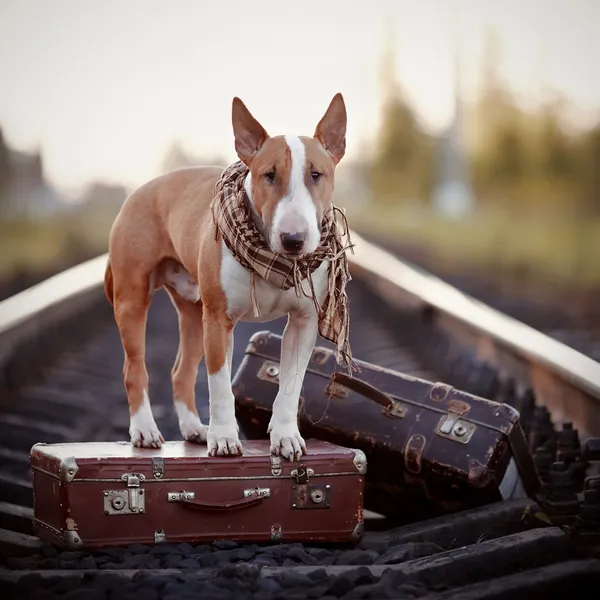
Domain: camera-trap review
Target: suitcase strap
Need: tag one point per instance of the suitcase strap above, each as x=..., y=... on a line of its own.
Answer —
x=229, y=506
x=363, y=388
x=515, y=437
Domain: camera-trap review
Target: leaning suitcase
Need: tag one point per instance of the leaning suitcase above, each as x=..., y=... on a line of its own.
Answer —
x=93, y=495
x=432, y=449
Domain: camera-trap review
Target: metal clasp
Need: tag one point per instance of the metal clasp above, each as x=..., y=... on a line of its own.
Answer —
x=395, y=410
x=133, y=488
x=269, y=371
x=317, y=496
x=258, y=491
x=310, y=497
x=158, y=467
x=302, y=474
x=276, y=532
x=451, y=426
x=129, y=501
x=179, y=496
x=275, y=465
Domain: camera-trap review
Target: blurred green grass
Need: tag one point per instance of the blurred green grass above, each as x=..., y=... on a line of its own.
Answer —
x=32, y=246
x=554, y=251
x=559, y=252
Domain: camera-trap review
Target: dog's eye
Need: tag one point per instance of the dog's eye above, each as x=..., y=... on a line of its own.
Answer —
x=270, y=176
x=315, y=176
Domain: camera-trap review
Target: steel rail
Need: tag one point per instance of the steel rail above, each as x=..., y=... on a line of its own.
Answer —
x=433, y=292
x=31, y=320
x=563, y=379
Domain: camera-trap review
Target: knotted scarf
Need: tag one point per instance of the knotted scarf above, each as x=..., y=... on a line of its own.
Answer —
x=232, y=218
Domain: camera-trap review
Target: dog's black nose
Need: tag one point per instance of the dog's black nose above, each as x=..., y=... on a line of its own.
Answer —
x=292, y=242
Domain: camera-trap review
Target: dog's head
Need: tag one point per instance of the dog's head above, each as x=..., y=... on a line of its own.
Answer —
x=290, y=184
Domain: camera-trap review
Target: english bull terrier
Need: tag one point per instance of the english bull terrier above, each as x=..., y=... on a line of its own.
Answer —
x=175, y=233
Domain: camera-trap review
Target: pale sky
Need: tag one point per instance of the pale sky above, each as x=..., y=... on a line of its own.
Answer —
x=104, y=86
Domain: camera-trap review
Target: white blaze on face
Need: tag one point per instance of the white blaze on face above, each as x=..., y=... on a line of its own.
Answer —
x=296, y=212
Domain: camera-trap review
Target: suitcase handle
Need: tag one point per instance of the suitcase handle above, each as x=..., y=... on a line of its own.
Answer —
x=363, y=388
x=228, y=506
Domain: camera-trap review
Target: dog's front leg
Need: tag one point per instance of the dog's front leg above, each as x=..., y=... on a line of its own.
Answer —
x=298, y=343
x=223, y=437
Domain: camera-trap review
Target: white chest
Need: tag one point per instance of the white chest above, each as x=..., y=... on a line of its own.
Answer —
x=273, y=303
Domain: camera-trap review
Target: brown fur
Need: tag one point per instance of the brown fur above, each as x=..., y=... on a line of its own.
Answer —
x=168, y=218
x=167, y=221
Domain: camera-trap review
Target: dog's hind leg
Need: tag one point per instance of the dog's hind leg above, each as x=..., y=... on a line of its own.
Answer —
x=131, y=297
x=185, y=369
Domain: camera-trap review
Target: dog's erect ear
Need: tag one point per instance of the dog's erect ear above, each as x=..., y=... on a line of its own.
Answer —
x=331, y=130
x=249, y=134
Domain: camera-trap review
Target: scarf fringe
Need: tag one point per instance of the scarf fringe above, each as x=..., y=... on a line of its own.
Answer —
x=255, y=307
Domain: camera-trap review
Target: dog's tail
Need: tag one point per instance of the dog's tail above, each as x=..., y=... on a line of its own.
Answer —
x=108, y=283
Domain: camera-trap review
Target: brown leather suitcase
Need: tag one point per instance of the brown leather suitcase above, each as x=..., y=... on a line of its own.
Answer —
x=93, y=495
x=432, y=449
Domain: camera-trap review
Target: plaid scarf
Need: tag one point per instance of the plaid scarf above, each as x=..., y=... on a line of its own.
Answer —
x=233, y=221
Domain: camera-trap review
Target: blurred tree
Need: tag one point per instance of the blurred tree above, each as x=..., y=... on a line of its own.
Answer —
x=403, y=162
x=508, y=158
x=520, y=160
x=499, y=149
x=554, y=149
x=402, y=167
x=4, y=169
x=588, y=171
x=529, y=160
x=494, y=98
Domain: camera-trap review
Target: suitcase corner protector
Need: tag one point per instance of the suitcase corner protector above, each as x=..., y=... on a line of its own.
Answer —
x=358, y=532
x=37, y=445
x=510, y=413
x=72, y=540
x=257, y=336
x=68, y=469
x=360, y=461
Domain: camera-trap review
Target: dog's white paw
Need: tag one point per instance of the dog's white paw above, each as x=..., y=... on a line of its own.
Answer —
x=197, y=433
x=190, y=425
x=223, y=440
x=142, y=427
x=286, y=441
x=149, y=437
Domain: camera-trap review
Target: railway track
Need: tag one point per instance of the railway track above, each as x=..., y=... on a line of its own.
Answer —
x=572, y=319
x=61, y=362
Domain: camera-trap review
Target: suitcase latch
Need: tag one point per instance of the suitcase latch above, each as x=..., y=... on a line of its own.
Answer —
x=306, y=497
x=129, y=501
x=395, y=410
x=275, y=464
x=302, y=474
x=451, y=426
x=269, y=371
x=158, y=467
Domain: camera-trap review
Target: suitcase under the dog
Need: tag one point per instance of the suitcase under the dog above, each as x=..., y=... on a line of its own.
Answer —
x=432, y=449
x=92, y=495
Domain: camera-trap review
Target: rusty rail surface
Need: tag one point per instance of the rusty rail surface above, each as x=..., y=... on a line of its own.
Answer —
x=402, y=319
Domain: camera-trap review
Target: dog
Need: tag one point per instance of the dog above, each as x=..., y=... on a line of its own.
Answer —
x=164, y=237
